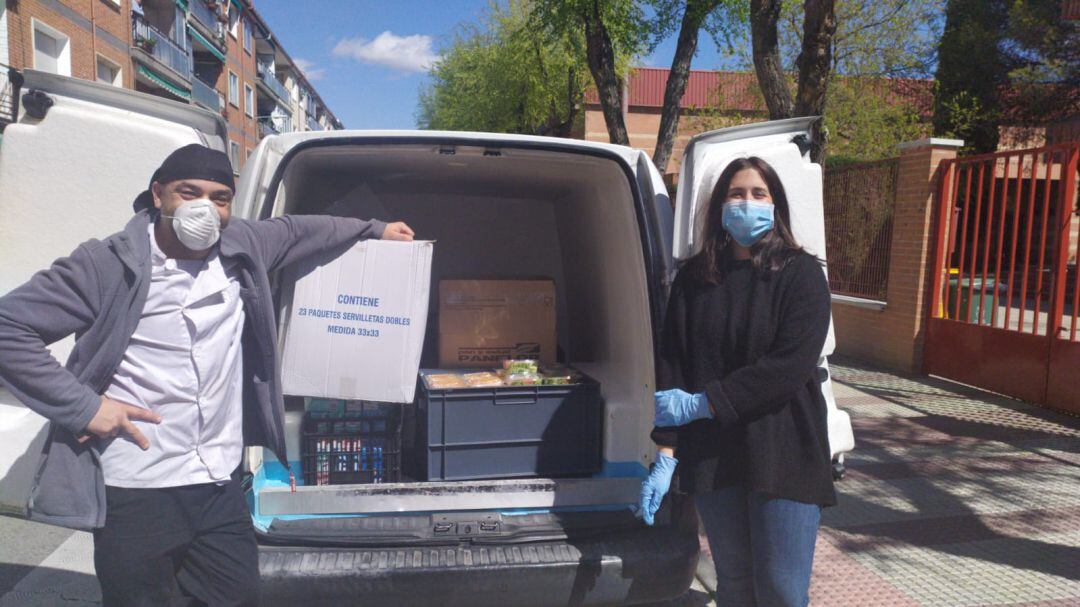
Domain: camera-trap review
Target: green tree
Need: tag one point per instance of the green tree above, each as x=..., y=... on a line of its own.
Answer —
x=1044, y=53
x=610, y=30
x=503, y=76
x=872, y=40
x=1005, y=60
x=866, y=118
x=814, y=63
x=695, y=14
x=972, y=70
x=616, y=32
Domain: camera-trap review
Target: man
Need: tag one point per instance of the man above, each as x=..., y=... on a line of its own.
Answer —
x=173, y=371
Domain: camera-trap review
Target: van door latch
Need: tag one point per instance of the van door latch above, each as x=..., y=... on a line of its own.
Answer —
x=466, y=524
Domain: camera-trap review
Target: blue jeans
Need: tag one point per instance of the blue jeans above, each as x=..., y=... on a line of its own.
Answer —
x=763, y=547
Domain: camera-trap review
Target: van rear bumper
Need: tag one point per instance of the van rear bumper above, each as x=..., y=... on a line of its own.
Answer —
x=627, y=567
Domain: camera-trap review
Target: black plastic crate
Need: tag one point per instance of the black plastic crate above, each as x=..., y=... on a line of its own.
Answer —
x=509, y=432
x=358, y=446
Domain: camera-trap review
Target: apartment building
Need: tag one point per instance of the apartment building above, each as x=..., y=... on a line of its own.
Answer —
x=218, y=54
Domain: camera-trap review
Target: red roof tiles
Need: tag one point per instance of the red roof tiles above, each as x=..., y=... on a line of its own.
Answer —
x=739, y=92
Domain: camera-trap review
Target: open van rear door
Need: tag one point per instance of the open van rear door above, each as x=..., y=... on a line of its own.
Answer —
x=70, y=167
x=784, y=144
x=653, y=189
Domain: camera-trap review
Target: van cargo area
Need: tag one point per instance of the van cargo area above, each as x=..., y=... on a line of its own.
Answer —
x=570, y=216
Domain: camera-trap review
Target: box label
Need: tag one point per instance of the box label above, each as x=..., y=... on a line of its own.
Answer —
x=355, y=326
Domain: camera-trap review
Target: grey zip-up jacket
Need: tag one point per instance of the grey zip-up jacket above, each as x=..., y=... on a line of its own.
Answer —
x=98, y=294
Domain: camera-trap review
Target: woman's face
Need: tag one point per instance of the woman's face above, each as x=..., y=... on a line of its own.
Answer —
x=747, y=184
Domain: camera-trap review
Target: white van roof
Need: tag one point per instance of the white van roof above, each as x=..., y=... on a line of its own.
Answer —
x=630, y=155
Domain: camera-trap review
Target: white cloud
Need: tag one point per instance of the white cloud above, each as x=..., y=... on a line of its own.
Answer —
x=309, y=70
x=401, y=53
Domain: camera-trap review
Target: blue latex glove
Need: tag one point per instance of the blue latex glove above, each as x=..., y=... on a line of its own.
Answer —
x=655, y=487
x=678, y=408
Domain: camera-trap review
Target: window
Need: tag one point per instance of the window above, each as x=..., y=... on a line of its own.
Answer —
x=234, y=156
x=108, y=72
x=52, y=50
x=179, y=30
x=247, y=35
x=4, y=35
x=234, y=89
x=234, y=20
x=249, y=100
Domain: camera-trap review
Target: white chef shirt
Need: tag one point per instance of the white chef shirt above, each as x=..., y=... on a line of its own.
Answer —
x=184, y=363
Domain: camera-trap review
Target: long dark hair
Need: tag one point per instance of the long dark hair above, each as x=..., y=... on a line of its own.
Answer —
x=769, y=254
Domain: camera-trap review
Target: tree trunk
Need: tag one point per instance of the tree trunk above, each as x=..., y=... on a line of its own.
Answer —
x=764, y=15
x=815, y=65
x=557, y=125
x=693, y=18
x=609, y=87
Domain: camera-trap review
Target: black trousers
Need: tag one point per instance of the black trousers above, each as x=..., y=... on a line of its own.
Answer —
x=191, y=545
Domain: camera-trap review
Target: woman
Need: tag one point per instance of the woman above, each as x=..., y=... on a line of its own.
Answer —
x=742, y=414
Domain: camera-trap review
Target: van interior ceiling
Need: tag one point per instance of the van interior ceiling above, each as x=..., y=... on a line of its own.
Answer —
x=515, y=213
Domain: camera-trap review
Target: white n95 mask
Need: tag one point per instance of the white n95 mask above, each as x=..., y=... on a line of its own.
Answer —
x=197, y=224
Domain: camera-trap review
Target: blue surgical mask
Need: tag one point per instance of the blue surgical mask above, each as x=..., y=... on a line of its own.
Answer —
x=747, y=220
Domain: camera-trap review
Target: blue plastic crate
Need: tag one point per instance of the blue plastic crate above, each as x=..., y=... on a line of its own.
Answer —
x=509, y=432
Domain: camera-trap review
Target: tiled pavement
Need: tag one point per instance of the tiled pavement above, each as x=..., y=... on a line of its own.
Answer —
x=953, y=497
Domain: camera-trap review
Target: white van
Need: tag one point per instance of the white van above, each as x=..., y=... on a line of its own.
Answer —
x=594, y=217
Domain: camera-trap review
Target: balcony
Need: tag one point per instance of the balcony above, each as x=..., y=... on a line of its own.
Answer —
x=267, y=127
x=270, y=81
x=160, y=47
x=208, y=20
x=274, y=125
x=205, y=95
x=313, y=125
x=8, y=91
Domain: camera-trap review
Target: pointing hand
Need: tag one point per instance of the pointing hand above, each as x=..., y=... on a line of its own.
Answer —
x=114, y=418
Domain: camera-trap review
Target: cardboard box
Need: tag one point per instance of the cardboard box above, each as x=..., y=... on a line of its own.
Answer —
x=482, y=322
x=354, y=327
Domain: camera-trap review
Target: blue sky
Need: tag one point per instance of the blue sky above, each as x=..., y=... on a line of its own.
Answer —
x=368, y=58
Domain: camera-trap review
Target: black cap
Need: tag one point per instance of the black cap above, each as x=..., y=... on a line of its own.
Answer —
x=196, y=161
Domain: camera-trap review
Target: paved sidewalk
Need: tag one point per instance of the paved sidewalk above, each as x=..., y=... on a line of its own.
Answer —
x=953, y=497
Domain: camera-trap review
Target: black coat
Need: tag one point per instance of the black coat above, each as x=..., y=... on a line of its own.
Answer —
x=752, y=344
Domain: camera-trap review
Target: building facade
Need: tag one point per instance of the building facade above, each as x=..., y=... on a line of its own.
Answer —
x=712, y=100
x=218, y=54
x=717, y=99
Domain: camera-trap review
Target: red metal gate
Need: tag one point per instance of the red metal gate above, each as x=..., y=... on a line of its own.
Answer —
x=1004, y=294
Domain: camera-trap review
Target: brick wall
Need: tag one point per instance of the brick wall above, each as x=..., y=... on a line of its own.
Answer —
x=893, y=336
x=242, y=128
x=73, y=18
x=643, y=124
x=3, y=34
